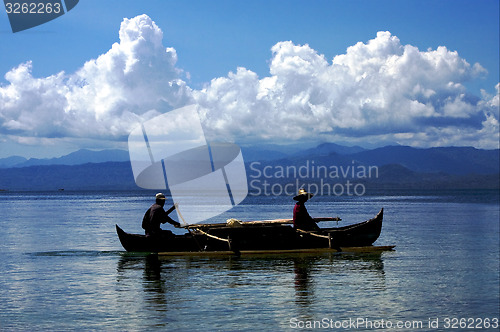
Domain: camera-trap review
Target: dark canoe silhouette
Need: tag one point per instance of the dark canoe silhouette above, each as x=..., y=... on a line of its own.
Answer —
x=258, y=237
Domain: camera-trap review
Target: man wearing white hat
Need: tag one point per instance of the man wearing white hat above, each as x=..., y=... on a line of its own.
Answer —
x=155, y=216
x=301, y=218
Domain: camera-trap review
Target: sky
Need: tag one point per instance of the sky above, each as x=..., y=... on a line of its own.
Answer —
x=369, y=73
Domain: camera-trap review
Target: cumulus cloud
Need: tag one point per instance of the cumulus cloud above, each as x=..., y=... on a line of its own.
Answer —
x=106, y=98
x=377, y=91
x=381, y=89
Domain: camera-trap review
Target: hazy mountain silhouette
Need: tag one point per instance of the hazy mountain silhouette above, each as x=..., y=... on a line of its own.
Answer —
x=79, y=157
x=397, y=167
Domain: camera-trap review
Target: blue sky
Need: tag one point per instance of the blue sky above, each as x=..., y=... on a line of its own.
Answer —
x=214, y=38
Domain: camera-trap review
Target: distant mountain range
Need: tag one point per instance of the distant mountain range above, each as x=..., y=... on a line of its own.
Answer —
x=450, y=160
x=397, y=167
x=276, y=152
x=79, y=157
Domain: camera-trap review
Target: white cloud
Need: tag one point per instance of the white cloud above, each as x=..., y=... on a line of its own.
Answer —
x=380, y=90
x=135, y=80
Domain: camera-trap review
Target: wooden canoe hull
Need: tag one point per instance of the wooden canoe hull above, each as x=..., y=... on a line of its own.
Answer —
x=256, y=238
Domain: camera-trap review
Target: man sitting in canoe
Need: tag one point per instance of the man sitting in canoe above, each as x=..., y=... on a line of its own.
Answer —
x=155, y=216
x=301, y=218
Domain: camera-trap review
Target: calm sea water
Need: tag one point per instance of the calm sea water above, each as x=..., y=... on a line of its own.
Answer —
x=63, y=268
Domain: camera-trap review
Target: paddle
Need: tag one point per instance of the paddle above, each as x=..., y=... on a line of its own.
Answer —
x=176, y=207
x=171, y=209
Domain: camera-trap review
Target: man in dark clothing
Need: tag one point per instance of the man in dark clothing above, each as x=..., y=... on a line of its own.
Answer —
x=155, y=216
x=301, y=218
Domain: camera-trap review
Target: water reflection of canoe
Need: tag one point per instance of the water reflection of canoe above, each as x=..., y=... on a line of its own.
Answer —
x=258, y=237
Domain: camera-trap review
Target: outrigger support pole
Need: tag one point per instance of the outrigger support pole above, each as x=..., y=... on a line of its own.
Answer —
x=331, y=243
x=228, y=240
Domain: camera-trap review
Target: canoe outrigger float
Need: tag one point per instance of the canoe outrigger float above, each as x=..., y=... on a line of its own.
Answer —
x=259, y=237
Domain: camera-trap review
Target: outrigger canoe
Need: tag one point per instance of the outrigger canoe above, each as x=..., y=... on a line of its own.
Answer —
x=268, y=236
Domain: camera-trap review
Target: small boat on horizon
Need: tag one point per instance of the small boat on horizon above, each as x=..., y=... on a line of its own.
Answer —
x=259, y=237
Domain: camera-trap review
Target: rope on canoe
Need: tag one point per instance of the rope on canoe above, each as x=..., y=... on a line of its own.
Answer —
x=213, y=236
x=313, y=234
x=228, y=240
